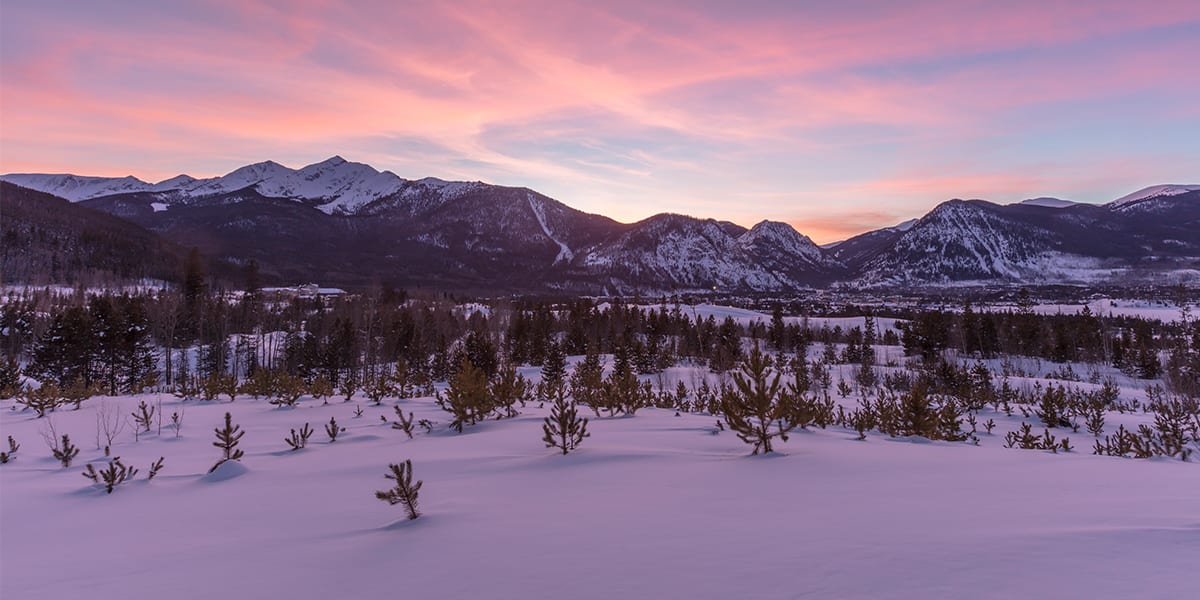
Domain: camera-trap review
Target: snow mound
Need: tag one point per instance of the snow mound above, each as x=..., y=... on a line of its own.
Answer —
x=230, y=469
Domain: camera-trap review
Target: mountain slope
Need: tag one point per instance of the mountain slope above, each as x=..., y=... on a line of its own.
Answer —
x=47, y=239
x=348, y=224
x=980, y=241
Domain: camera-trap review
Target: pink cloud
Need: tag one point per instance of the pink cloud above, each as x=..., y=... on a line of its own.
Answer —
x=229, y=79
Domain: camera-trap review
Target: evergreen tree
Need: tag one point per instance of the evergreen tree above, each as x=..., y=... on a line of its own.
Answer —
x=564, y=429
x=756, y=408
x=467, y=400
x=227, y=440
x=554, y=373
x=138, y=357
x=405, y=492
x=10, y=377
x=64, y=352
x=587, y=381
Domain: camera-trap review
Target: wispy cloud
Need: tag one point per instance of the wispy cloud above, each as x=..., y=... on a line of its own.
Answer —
x=746, y=111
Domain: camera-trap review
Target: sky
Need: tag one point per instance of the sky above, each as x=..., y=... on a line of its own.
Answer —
x=836, y=117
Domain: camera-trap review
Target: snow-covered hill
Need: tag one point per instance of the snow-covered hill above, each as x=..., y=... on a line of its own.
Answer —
x=1154, y=191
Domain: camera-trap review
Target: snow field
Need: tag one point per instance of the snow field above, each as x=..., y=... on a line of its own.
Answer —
x=651, y=506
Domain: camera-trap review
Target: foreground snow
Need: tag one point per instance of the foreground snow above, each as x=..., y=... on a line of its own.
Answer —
x=653, y=506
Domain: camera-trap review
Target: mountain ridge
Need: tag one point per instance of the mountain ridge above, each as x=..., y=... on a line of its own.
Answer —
x=349, y=223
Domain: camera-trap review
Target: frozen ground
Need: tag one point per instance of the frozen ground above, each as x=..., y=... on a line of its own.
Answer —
x=653, y=506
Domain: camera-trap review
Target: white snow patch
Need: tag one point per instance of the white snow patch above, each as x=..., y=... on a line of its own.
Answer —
x=539, y=211
x=1152, y=192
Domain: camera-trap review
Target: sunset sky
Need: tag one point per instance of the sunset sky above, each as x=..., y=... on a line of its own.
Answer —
x=836, y=117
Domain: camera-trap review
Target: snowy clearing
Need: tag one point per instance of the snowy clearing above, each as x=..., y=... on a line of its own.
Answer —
x=651, y=506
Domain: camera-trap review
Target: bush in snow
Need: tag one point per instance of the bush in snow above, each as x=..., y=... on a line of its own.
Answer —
x=1025, y=440
x=405, y=492
x=467, y=400
x=299, y=440
x=155, y=467
x=116, y=474
x=13, y=446
x=144, y=416
x=42, y=400
x=287, y=390
x=227, y=440
x=332, y=429
x=65, y=451
x=507, y=389
x=380, y=387
x=402, y=423
x=321, y=389
x=563, y=429
x=348, y=385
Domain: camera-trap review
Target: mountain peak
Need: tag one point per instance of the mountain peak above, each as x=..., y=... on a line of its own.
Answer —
x=1154, y=191
x=1047, y=202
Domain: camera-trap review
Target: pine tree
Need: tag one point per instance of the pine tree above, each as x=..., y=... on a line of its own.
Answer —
x=587, y=381
x=756, y=408
x=467, y=399
x=508, y=388
x=10, y=377
x=554, y=372
x=564, y=429
x=65, y=350
x=138, y=358
x=107, y=331
x=227, y=440
x=405, y=492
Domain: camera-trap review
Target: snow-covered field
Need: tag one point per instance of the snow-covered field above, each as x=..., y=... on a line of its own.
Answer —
x=651, y=506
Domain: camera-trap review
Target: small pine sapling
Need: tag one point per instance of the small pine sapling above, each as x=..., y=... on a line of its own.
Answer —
x=144, y=417
x=177, y=421
x=116, y=474
x=65, y=452
x=227, y=440
x=42, y=400
x=564, y=429
x=379, y=388
x=348, y=385
x=155, y=467
x=402, y=423
x=405, y=491
x=77, y=392
x=300, y=439
x=321, y=389
x=467, y=399
x=13, y=446
x=288, y=390
x=332, y=429
x=358, y=411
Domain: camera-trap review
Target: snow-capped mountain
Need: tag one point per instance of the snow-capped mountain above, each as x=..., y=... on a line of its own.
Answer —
x=960, y=240
x=1047, y=202
x=1147, y=195
x=346, y=223
x=76, y=188
x=334, y=185
x=977, y=241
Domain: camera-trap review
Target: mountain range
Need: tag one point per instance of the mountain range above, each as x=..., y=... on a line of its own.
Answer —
x=344, y=223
